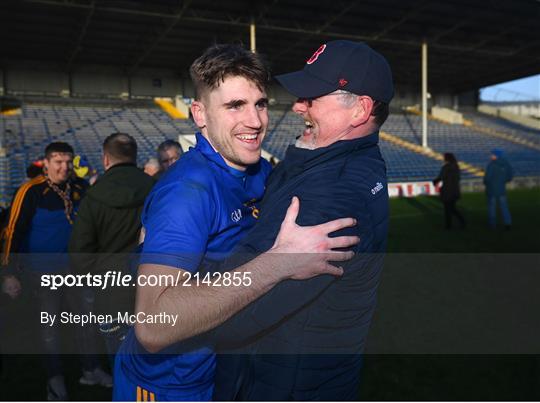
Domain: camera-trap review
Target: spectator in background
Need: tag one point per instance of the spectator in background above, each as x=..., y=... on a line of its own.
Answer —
x=39, y=226
x=152, y=167
x=168, y=153
x=108, y=224
x=450, y=191
x=34, y=169
x=498, y=173
x=83, y=169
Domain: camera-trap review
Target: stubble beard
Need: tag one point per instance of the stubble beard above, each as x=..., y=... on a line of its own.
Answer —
x=307, y=145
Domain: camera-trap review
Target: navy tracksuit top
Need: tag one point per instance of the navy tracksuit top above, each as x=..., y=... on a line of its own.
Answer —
x=303, y=339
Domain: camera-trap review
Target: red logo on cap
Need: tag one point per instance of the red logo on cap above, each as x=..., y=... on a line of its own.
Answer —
x=342, y=82
x=315, y=55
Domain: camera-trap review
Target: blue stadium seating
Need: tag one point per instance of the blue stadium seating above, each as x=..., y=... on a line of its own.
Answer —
x=468, y=145
x=505, y=126
x=85, y=127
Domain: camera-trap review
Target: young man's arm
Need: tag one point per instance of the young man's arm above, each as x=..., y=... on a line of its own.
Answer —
x=203, y=307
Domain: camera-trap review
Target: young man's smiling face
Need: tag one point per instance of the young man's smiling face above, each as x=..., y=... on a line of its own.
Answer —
x=234, y=119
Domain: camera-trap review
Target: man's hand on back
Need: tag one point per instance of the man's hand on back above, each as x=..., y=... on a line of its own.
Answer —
x=306, y=251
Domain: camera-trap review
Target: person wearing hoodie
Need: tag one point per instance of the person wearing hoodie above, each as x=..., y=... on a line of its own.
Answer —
x=108, y=226
x=498, y=173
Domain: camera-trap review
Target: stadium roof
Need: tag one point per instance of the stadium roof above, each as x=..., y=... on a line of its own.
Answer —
x=471, y=43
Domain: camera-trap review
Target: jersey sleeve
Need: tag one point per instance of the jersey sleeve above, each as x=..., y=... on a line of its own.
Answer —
x=178, y=221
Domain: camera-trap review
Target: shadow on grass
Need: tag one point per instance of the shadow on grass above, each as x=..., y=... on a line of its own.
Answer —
x=424, y=206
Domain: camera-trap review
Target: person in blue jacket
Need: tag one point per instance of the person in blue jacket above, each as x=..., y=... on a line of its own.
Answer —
x=498, y=173
x=194, y=216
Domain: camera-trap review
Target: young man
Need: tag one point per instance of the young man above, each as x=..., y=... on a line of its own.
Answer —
x=194, y=216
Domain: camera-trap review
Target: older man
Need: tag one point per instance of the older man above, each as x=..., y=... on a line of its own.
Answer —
x=168, y=153
x=303, y=340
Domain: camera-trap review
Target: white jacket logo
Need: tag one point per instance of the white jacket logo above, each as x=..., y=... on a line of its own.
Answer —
x=236, y=215
x=377, y=188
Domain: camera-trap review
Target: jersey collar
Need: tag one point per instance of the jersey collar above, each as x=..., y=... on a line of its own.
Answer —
x=206, y=149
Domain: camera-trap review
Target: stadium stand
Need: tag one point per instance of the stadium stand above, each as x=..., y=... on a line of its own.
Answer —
x=505, y=126
x=470, y=146
x=85, y=127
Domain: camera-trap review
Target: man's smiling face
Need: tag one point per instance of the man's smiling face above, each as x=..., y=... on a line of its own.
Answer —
x=234, y=118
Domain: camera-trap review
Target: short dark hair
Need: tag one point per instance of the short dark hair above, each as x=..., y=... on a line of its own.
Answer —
x=121, y=147
x=380, y=110
x=223, y=60
x=164, y=146
x=58, y=147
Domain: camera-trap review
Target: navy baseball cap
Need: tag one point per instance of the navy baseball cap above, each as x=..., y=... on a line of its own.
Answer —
x=342, y=65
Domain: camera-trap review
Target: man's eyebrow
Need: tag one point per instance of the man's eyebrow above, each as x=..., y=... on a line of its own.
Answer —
x=262, y=100
x=235, y=102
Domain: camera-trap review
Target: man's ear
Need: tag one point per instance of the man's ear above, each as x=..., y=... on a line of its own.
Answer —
x=199, y=113
x=362, y=110
x=105, y=160
x=45, y=164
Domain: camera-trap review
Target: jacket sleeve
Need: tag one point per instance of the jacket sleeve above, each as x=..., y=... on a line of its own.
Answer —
x=439, y=177
x=84, y=237
x=509, y=172
x=23, y=208
x=83, y=242
x=487, y=175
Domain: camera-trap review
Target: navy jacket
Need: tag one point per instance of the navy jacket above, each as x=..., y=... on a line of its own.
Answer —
x=303, y=339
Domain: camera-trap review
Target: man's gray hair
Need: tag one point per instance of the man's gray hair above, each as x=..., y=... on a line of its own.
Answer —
x=346, y=98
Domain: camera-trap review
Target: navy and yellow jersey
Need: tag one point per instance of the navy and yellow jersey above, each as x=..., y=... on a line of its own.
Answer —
x=195, y=215
x=37, y=220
